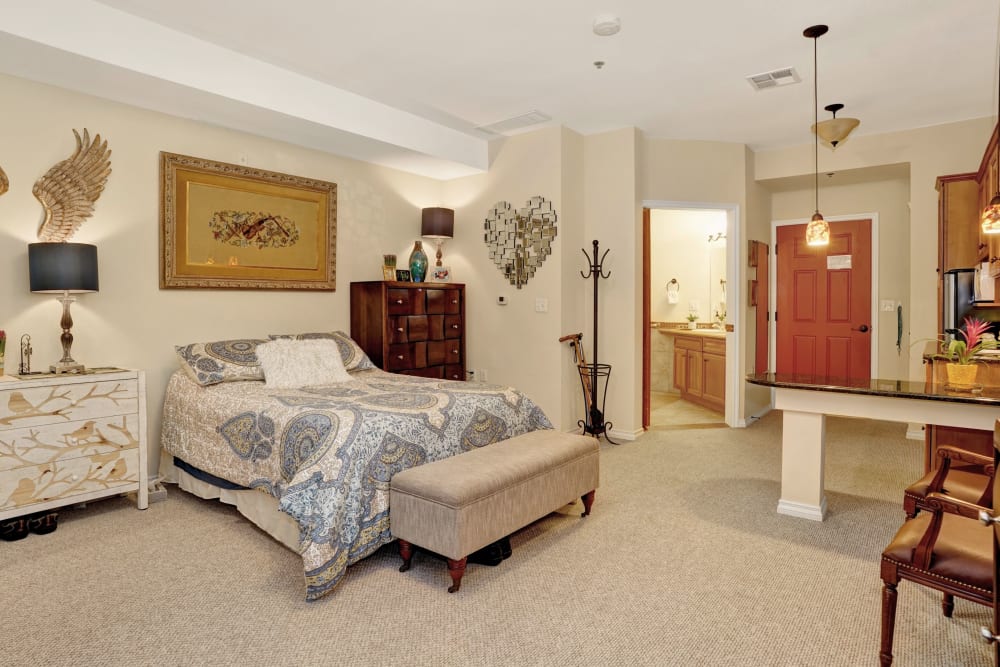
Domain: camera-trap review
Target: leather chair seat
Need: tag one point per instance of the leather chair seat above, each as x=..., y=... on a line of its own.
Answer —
x=963, y=551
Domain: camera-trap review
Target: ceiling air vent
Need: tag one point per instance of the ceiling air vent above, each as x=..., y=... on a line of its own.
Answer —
x=779, y=77
x=516, y=123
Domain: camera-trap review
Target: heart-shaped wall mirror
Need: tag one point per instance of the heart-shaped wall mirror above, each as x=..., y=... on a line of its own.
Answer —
x=519, y=241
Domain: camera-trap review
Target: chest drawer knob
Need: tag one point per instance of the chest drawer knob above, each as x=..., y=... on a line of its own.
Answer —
x=454, y=300
x=399, y=356
x=454, y=351
x=399, y=329
x=399, y=301
x=454, y=326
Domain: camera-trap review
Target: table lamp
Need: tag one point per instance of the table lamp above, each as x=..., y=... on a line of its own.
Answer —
x=437, y=224
x=63, y=268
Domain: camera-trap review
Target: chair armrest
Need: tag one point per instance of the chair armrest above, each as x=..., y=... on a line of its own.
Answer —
x=939, y=501
x=963, y=455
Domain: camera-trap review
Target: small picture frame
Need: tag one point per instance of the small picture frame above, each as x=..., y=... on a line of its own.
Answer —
x=440, y=274
x=388, y=273
x=403, y=275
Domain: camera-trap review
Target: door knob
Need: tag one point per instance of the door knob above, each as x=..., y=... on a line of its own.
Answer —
x=988, y=635
x=987, y=519
x=863, y=328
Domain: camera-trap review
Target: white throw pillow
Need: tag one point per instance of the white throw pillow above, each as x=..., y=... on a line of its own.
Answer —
x=300, y=363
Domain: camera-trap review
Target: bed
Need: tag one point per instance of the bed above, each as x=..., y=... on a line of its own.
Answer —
x=324, y=452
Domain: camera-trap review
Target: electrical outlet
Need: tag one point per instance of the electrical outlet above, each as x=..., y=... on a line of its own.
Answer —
x=470, y=375
x=481, y=375
x=887, y=306
x=541, y=305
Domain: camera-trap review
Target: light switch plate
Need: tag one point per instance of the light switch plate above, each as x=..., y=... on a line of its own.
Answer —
x=887, y=306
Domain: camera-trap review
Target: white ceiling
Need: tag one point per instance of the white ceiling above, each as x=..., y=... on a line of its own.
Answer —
x=406, y=83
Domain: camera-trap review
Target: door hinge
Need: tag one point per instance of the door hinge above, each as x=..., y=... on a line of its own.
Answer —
x=775, y=316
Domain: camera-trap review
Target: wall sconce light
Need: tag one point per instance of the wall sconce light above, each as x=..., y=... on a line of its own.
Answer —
x=63, y=268
x=437, y=224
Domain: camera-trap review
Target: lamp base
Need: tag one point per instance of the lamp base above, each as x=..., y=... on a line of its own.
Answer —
x=66, y=367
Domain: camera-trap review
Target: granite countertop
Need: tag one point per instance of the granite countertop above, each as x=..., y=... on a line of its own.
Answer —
x=878, y=387
x=684, y=331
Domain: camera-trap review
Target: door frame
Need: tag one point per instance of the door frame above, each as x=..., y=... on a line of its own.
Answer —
x=735, y=277
x=772, y=278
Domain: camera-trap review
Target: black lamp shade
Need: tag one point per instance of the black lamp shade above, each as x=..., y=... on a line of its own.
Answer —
x=437, y=223
x=62, y=267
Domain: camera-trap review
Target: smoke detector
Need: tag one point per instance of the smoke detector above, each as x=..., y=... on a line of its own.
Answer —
x=605, y=26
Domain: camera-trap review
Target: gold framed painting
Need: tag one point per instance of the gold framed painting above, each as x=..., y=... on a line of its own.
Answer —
x=236, y=227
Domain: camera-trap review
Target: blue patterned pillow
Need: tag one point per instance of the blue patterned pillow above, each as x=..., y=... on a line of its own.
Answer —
x=221, y=361
x=354, y=357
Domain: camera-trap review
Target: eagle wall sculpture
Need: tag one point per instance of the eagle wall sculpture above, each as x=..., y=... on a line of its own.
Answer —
x=69, y=189
x=4, y=183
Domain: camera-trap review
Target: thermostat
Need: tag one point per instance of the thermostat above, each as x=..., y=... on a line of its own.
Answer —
x=502, y=300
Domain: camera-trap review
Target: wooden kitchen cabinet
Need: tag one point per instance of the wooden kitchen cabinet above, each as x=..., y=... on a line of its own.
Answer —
x=411, y=328
x=958, y=222
x=700, y=369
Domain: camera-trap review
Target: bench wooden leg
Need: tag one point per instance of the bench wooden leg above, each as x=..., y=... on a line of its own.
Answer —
x=406, y=552
x=456, y=568
x=588, y=501
x=888, y=623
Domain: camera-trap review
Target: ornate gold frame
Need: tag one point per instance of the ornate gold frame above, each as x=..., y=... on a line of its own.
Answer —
x=187, y=181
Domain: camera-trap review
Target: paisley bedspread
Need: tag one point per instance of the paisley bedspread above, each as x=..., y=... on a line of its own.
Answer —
x=327, y=453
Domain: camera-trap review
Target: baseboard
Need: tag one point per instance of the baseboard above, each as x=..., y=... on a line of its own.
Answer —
x=801, y=510
x=616, y=434
x=743, y=423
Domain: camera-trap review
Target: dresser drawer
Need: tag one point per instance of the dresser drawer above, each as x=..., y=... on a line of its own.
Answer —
x=397, y=329
x=416, y=327
x=434, y=372
x=36, y=406
x=407, y=355
x=453, y=326
x=72, y=477
x=36, y=445
x=404, y=302
x=454, y=372
x=444, y=352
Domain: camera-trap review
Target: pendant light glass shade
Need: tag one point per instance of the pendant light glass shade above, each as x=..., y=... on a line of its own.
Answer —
x=835, y=131
x=818, y=230
x=991, y=216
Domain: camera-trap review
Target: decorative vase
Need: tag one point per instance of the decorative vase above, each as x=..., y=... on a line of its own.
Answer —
x=961, y=375
x=418, y=263
x=692, y=325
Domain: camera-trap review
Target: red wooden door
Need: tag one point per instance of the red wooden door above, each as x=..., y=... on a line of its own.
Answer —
x=823, y=319
x=760, y=359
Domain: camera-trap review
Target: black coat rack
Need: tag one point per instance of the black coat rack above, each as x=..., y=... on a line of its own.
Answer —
x=593, y=374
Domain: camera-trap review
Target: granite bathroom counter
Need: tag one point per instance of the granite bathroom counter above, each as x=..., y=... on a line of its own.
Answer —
x=684, y=331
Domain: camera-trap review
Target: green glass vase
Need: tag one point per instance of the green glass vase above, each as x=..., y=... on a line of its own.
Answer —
x=418, y=263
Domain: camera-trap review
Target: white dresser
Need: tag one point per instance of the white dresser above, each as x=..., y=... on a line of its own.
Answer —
x=68, y=439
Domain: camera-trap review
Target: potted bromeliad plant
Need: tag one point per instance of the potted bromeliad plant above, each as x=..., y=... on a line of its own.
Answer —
x=961, y=367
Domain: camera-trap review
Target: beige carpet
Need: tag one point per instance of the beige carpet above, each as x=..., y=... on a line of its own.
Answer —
x=683, y=562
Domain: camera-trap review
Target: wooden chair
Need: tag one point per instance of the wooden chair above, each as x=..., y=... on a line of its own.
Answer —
x=945, y=550
x=959, y=474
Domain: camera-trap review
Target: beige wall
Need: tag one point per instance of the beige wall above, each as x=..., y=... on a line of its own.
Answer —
x=887, y=199
x=131, y=322
x=929, y=152
x=514, y=343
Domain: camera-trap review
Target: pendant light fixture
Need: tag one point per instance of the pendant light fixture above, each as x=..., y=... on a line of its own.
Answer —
x=818, y=230
x=991, y=214
x=834, y=131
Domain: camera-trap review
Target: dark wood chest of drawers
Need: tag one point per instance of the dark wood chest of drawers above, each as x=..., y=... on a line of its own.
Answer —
x=411, y=328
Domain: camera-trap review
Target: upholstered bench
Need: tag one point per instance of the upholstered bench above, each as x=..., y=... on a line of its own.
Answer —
x=460, y=504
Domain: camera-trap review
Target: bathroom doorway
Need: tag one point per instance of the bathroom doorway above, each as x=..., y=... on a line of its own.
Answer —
x=689, y=355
